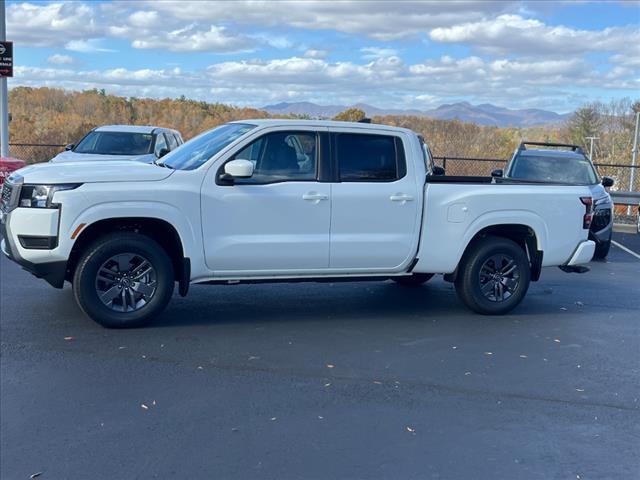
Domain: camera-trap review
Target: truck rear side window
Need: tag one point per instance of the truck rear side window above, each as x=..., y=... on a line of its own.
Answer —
x=369, y=158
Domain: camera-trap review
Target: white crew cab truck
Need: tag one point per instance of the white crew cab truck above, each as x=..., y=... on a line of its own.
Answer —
x=286, y=200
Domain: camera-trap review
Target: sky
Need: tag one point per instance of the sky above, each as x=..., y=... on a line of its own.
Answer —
x=550, y=55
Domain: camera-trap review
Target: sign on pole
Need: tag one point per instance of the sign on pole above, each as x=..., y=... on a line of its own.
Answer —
x=6, y=59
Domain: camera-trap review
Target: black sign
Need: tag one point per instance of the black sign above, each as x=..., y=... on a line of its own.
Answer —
x=6, y=59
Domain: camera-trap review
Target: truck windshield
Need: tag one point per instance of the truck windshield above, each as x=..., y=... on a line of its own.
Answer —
x=556, y=169
x=115, y=143
x=198, y=150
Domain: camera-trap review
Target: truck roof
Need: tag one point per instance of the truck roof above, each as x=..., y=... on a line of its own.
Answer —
x=130, y=128
x=274, y=122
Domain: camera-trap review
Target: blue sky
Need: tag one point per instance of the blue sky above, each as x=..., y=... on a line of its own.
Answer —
x=552, y=55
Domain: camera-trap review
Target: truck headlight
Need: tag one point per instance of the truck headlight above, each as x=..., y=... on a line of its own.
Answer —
x=41, y=196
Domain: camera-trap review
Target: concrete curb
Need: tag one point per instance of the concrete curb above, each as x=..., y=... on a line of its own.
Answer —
x=624, y=228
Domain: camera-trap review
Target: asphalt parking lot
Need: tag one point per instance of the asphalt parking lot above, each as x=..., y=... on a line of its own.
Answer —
x=323, y=381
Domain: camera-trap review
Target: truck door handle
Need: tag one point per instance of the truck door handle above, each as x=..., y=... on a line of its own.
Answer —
x=314, y=196
x=401, y=197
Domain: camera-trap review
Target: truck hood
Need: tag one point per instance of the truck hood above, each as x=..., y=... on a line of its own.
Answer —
x=89, y=157
x=93, y=172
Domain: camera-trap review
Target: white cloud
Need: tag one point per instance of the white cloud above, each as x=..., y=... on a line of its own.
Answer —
x=515, y=34
x=191, y=38
x=315, y=53
x=58, y=59
x=91, y=45
x=372, y=53
x=52, y=24
x=387, y=82
x=381, y=20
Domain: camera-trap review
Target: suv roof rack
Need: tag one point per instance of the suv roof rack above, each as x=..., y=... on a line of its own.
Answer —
x=574, y=148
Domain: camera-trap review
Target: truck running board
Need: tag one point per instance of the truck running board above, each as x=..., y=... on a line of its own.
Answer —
x=574, y=268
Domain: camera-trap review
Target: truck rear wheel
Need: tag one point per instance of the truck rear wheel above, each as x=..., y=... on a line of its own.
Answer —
x=494, y=276
x=123, y=280
x=414, y=280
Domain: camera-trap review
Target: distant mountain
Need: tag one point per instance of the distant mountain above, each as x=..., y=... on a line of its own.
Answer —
x=484, y=114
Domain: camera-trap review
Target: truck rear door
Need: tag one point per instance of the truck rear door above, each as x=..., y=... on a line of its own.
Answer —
x=376, y=202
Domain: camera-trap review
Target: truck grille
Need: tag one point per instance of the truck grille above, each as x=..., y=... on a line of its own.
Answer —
x=9, y=198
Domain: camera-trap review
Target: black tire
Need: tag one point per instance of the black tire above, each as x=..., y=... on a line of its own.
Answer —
x=602, y=249
x=120, y=245
x=414, y=280
x=473, y=276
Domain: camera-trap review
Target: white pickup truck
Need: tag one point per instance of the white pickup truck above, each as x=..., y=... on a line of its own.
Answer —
x=280, y=201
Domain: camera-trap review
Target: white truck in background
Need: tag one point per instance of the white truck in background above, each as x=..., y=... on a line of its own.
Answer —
x=286, y=200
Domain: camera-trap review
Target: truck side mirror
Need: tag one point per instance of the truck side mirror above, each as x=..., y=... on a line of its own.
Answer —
x=437, y=170
x=498, y=172
x=607, y=182
x=69, y=147
x=163, y=151
x=239, y=169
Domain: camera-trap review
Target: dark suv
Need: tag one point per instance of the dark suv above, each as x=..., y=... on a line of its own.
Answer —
x=558, y=162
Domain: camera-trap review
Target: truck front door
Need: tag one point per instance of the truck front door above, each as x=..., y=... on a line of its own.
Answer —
x=277, y=221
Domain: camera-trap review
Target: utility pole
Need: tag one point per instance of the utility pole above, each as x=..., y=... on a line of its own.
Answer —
x=4, y=95
x=591, y=147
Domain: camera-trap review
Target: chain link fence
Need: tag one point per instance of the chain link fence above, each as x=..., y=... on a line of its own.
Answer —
x=34, y=152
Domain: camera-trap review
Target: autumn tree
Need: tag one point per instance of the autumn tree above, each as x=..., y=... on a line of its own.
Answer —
x=351, y=115
x=585, y=122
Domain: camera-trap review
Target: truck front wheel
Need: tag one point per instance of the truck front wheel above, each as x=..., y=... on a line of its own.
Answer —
x=494, y=276
x=123, y=280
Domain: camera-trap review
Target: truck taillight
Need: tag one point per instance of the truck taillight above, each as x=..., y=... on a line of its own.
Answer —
x=588, y=215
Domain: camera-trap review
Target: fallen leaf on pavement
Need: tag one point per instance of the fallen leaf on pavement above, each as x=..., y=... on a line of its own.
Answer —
x=327, y=384
x=68, y=339
x=329, y=365
x=35, y=475
x=488, y=353
x=467, y=373
x=144, y=406
x=411, y=430
x=523, y=356
x=557, y=340
x=377, y=382
x=579, y=389
x=273, y=419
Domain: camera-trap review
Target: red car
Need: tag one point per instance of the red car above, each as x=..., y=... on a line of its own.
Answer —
x=8, y=165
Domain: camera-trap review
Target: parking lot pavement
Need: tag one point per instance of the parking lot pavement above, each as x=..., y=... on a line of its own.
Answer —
x=322, y=381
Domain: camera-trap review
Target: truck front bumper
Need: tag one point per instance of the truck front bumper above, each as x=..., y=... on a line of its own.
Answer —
x=582, y=254
x=53, y=272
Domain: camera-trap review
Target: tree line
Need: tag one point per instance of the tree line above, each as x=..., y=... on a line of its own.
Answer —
x=56, y=116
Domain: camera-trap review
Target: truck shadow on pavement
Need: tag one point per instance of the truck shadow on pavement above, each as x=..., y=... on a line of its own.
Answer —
x=364, y=301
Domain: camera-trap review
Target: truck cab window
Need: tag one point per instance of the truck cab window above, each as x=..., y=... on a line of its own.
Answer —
x=367, y=158
x=281, y=156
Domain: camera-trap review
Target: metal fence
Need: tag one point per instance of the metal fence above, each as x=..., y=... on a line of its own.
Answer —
x=34, y=152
